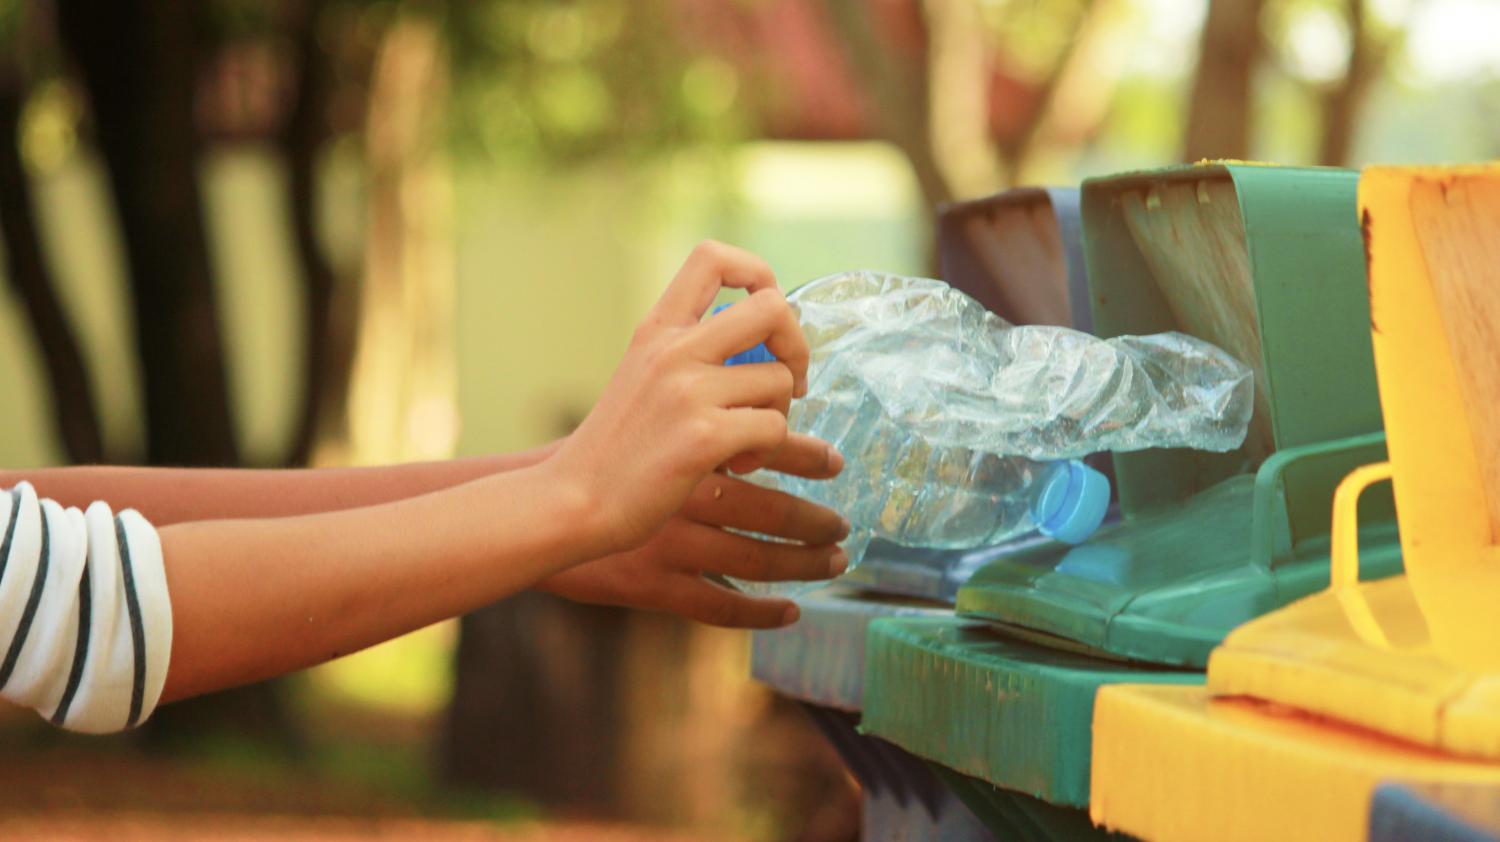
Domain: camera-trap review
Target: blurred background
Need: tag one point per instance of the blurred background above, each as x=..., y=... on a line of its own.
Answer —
x=325, y=232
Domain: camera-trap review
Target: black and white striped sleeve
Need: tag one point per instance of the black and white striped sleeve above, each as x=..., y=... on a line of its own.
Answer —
x=85, y=618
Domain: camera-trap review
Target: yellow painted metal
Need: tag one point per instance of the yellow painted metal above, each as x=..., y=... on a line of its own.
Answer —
x=1174, y=763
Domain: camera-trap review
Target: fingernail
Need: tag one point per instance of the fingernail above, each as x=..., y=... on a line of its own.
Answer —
x=834, y=460
x=790, y=615
x=838, y=562
x=801, y=390
x=845, y=527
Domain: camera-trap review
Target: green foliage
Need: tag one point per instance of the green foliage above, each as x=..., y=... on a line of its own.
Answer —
x=559, y=82
x=394, y=774
x=229, y=20
x=10, y=23
x=1033, y=33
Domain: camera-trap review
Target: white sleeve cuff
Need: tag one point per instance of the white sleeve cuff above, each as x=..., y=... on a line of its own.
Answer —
x=85, y=617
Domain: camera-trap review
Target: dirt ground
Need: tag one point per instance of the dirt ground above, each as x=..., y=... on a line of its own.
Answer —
x=373, y=782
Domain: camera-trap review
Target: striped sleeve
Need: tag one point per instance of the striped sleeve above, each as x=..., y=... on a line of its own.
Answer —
x=85, y=617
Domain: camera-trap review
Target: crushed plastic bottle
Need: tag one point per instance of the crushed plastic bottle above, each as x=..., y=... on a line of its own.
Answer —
x=960, y=430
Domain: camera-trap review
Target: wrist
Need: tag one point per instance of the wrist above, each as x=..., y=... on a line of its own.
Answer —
x=580, y=509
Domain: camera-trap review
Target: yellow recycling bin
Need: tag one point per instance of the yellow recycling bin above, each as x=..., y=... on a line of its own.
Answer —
x=1308, y=708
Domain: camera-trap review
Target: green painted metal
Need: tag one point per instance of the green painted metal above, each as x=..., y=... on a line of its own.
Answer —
x=820, y=659
x=1165, y=586
x=1208, y=541
x=1014, y=714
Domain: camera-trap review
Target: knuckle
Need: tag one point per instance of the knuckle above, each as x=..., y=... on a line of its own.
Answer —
x=680, y=389
x=679, y=343
x=776, y=429
x=709, y=250
x=652, y=350
x=772, y=301
x=784, y=379
x=642, y=335
x=699, y=433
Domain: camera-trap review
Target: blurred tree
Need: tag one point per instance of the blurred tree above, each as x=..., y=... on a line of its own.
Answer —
x=139, y=61
x=536, y=704
x=1219, y=107
x=72, y=405
x=1371, y=46
x=142, y=65
x=401, y=392
x=969, y=92
x=895, y=75
x=1367, y=56
x=541, y=687
x=1235, y=46
x=330, y=296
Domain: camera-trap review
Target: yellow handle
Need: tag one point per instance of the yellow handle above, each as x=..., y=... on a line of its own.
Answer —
x=1343, y=572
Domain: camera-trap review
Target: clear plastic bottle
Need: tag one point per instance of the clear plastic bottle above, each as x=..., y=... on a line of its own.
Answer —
x=960, y=430
x=901, y=488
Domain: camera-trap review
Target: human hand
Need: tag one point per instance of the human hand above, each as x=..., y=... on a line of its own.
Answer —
x=673, y=411
x=667, y=573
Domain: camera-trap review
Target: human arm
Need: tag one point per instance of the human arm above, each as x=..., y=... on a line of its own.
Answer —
x=252, y=598
x=256, y=598
x=172, y=495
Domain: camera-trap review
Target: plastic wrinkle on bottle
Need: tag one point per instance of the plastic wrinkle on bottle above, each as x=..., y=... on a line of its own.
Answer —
x=960, y=430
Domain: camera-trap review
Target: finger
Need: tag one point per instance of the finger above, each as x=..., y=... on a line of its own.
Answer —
x=749, y=437
x=737, y=504
x=711, y=265
x=746, y=463
x=763, y=317
x=764, y=385
x=709, y=549
x=802, y=455
x=699, y=599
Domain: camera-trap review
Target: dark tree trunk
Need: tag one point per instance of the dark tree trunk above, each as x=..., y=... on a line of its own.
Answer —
x=329, y=327
x=1342, y=104
x=1219, y=111
x=74, y=416
x=138, y=60
x=895, y=79
x=535, y=707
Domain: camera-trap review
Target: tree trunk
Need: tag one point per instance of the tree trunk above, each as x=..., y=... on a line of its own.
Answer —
x=535, y=706
x=896, y=83
x=138, y=62
x=1219, y=111
x=958, y=100
x=402, y=390
x=74, y=416
x=1341, y=105
x=330, y=300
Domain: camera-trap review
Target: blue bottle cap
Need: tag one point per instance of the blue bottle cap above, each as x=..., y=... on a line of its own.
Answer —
x=1072, y=503
x=758, y=354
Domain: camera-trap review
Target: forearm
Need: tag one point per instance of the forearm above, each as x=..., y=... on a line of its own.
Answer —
x=253, y=599
x=175, y=495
